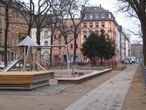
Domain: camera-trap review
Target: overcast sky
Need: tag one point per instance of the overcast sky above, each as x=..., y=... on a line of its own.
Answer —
x=122, y=18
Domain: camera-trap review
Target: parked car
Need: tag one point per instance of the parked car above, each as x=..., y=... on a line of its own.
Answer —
x=133, y=59
x=2, y=65
x=128, y=60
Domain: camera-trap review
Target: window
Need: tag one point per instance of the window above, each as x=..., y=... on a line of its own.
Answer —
x=91, y=24
x=97, y=24
x=59, y=36
x=90, y=16
x=97, y=15
x=71, y=46
x=76, y=45
x=45, y=33
x=12, y=42
x=65, y=27
x=45, y=42
x=85, y=37
x=102, y=15
x=46, y=56
x=55, y=37
x=17, y=41
x=102, y=24
x=71, y=26
x=85, y=25
x=71, y=36
x=108, y=15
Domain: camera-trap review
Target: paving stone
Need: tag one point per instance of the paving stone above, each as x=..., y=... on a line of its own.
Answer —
x=108, y=96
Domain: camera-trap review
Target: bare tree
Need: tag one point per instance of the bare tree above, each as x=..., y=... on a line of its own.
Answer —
x=27, y=10
x=52, y=27
x=36, y=14
x=42, y=16
x=7, y=5
x=139, y=9
x=71, y=11
x=75, y=10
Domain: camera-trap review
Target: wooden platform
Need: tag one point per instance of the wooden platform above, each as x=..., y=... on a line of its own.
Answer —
x=82, y=77
x=25, y=80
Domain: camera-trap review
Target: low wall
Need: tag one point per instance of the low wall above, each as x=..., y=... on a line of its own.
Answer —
x=144, y=73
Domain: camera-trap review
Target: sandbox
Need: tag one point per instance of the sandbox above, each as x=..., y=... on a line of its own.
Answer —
x=25, y=80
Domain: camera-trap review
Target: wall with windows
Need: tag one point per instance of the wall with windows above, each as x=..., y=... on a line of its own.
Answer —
x=44, y=41
x=17, y=30
x=97, y=18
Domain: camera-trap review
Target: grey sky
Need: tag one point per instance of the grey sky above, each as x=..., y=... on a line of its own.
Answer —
x=121, y=18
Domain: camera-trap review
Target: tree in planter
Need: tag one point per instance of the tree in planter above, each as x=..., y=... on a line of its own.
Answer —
x=98, y=45
x=89, y=47
x=105, y=46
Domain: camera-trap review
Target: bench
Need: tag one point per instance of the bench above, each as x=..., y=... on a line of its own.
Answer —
x=82, y=77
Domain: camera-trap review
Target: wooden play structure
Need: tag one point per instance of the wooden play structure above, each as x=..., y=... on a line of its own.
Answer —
x=28, y=57
x=26, y=78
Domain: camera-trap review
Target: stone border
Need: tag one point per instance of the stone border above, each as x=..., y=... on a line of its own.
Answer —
x=83, y=77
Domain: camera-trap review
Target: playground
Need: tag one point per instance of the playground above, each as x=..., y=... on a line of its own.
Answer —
x=26, y=71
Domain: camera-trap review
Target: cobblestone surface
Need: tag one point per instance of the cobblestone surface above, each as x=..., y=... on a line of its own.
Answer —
x=42, y=91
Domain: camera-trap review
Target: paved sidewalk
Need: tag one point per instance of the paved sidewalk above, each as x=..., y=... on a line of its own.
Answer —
x=108, y=96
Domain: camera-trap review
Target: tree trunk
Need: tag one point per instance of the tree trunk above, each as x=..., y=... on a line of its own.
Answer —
x=29, y=30
x=101, y=61
x=6, y=33
x=38, y=35
x=51, y=50
x=143, y=27
x=75, y=47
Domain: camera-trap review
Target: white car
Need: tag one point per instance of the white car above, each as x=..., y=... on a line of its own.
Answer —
x=2, y=65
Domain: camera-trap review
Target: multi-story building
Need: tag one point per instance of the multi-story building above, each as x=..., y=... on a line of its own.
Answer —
x=44, y=41
x=17, y=30
x=95, y=19
x=58, y=38
x=137, y=51
x=123, y=44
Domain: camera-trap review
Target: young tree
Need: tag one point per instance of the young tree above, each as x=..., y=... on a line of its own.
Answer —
x=139, y=9
x=89, y=47
x=98, y=45
x=105, y=46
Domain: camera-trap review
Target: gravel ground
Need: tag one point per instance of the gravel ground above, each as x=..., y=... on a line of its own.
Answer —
x=42, y=91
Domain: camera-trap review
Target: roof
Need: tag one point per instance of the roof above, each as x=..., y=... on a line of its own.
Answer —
x=27, y=42
x=95, y=9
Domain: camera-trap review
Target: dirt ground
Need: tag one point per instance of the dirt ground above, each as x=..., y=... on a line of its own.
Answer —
x=57, y=101
x=136, y=97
